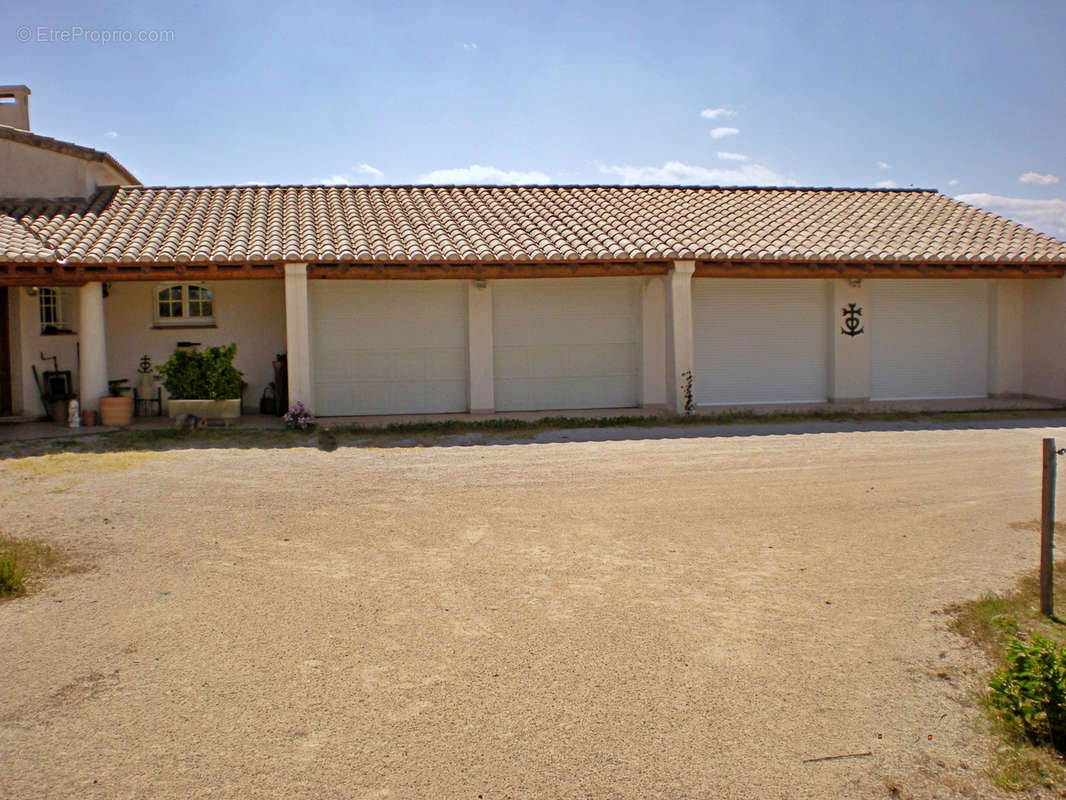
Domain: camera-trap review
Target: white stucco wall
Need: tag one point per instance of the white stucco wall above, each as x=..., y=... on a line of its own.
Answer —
x=248, y=312
x=13, y=314
x=481, y=395
x=1044, y=338
x=30, y=343
x=849, y=357
x=653, y=342
x=27, y=171
x=679, y=333
x=1006, y=337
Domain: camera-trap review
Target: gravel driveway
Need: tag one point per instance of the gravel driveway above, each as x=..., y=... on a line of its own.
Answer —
x=659, y=614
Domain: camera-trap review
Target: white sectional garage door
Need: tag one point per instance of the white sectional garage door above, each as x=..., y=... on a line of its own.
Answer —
x=760, y=341
x=928, y=339
x=388, y=347
x=566, y=343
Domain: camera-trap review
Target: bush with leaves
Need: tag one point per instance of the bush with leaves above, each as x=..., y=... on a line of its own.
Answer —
x=202, y=375
x=1030, y=692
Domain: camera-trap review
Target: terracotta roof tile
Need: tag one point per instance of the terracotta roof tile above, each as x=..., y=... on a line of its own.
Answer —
x=17, y=243
x=160, y=225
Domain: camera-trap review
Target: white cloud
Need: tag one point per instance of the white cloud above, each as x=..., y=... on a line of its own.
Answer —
x=953, y=182
x=675, y=172
x=344, y=179
x=718, y=133
x=476, y=173
x=111, y=134
x=886, y=184
x=884, y=165
x=254, y=183
x=1048, y=216
x=715, y=113
x=732, y=156
x=333, y=180
x=468, y=46
x=1036, y=177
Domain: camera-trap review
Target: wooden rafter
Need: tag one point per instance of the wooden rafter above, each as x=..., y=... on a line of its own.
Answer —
x=45, y=273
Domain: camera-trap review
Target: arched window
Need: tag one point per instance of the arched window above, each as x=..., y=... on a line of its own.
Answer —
x=184, y=304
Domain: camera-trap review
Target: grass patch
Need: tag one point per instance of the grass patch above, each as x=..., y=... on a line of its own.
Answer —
x=989, y=622
x=746, y=417
x=12, y=576
x=67, y=463
x=26, y=563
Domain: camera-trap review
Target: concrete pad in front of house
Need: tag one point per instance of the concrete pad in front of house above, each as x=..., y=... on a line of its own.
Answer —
x=652, y=616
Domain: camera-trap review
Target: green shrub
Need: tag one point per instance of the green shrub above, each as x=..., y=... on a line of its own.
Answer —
x=11, y=577
x=1030, y=692
x=202, y=375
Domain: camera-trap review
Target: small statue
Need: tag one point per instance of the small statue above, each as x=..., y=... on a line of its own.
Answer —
x=145, y=379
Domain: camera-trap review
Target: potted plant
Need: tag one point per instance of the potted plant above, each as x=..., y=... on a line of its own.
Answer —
x=203, y=383
x=116, y=409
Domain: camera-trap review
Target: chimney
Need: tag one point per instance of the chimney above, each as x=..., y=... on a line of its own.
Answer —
x=15, y=107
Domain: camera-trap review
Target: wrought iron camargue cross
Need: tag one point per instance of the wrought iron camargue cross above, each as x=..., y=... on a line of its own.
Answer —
x=852, y=323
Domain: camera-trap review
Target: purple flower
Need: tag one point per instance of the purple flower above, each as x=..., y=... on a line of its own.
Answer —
x=298, y=417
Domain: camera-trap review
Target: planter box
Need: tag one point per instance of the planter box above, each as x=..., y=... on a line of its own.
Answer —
x=204, y=409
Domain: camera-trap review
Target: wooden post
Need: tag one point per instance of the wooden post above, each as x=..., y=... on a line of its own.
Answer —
x=1047, y=531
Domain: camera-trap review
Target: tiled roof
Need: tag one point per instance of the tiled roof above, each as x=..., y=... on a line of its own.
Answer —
x=67, y=148
x=516, y=224
x=16, y=241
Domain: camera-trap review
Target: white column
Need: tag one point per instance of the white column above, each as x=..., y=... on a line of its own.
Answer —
x=849, y=356
x=679, y=358
x=1044, y=329
x=1005, y=337
x=481, y=395
x=92, y=345
x=653, y=342
x=298, y=335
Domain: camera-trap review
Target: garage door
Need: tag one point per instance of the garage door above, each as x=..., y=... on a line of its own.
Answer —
x=566, y=343
x=928, y=338
x=384, y=347
x=760, y=341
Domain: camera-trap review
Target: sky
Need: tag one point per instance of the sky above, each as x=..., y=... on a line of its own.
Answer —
x=968, y=98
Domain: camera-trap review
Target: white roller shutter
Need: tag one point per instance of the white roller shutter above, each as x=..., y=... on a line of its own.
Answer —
x=760, y=340
x=566, y=343
x=928, y=339
x=388, y=347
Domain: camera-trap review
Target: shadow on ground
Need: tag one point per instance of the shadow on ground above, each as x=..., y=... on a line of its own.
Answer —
x=459, y=433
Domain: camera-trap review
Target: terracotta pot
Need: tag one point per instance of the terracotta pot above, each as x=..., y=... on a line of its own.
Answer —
x=88, y=417
x=116, y=412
